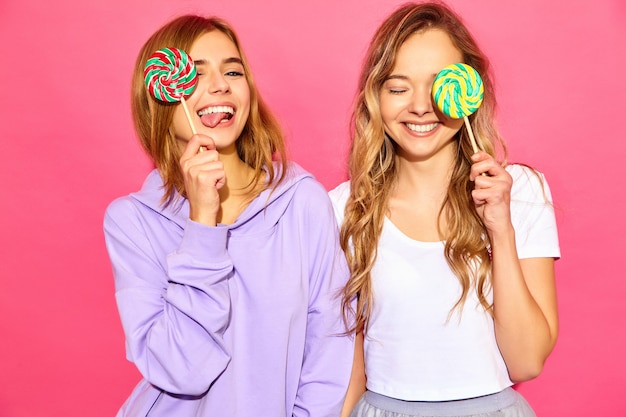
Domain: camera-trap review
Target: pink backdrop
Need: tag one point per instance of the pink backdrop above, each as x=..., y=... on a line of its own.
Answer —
x=69, y=149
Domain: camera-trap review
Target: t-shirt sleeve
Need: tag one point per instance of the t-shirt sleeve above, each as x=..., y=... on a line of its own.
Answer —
x=339, y=197
x=532, y=214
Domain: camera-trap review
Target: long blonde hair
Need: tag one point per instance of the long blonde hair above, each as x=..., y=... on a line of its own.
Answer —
x=260, y=142
x=373, y=169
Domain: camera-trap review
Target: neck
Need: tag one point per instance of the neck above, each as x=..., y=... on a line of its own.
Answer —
x=424, y=179
x=239, y=176
x=415, y=202
x=240, y=187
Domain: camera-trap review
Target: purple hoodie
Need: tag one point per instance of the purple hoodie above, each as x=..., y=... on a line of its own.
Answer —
x=234, y=320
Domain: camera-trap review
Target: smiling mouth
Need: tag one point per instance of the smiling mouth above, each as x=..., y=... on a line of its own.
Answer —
x=422, y=128
x=213, y=115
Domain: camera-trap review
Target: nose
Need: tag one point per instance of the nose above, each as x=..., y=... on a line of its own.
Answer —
x=422, y=102
x=217, y=83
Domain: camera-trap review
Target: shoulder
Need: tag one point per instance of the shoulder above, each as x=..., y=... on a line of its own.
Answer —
x=305, y=203
x=339, y=196
x=303, y=180
x=129, y=209
x=150, y=194
x=532, y=214
x=300, y=186
x=124, y=215
x=523, y=173
x=529, y=184
x=120, y=208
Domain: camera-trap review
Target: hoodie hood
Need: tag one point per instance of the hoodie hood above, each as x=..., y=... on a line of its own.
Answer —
x=270, y=204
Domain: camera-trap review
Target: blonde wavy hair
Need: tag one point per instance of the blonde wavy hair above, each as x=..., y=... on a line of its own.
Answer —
x=373, y=170
x=261, y=141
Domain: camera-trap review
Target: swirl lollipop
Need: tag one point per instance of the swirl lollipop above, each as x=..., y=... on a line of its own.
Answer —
x=458, y=92
x=170, y=75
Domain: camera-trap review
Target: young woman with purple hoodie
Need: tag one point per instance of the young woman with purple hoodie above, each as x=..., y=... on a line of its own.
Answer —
x=227, y=262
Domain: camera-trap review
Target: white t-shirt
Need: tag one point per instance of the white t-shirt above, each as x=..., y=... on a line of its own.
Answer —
x=415, y=349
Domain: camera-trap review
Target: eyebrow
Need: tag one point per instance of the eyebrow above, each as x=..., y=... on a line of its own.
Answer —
x=397, y=77
x=400, y=77
x=233, y=60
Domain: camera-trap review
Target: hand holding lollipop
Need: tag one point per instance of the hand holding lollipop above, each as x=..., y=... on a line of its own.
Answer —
x=458, y=92
x=170, y=75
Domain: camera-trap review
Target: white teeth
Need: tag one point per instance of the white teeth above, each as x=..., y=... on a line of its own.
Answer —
x=216, y=109
x=421, y=128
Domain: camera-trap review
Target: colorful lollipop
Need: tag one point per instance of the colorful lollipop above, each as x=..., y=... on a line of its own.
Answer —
x=458, y=92
x=170, y=76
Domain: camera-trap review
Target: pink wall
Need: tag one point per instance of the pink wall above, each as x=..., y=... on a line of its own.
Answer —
x=69, y=149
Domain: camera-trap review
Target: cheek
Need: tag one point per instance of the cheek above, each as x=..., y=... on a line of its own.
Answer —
x=244, y=105
x=454, y=124
x=388, y=108
x=196, y=96
x=180, y=126
x=450, y=123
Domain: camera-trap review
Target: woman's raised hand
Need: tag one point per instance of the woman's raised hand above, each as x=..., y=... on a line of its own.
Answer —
x=204, y=175
x=492, y=192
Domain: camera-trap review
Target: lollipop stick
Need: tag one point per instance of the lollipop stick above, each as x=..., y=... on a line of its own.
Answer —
x=184, y=103
x=193, y=128
x=471, y=134
x=472, y=139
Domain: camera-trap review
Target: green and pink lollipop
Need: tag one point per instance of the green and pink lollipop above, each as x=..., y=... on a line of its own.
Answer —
x=458, y=92
x=170, y=76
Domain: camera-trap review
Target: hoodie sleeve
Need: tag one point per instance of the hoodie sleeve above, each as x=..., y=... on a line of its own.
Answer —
x=328, y=351
x=174, y=311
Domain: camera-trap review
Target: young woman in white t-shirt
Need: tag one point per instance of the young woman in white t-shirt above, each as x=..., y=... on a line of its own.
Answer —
x=451, y=251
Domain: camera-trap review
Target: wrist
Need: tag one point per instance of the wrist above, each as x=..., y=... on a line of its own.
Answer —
x=205, y=218
x=502, y=235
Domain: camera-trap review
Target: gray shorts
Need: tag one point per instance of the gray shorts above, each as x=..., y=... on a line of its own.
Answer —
x=506, y=403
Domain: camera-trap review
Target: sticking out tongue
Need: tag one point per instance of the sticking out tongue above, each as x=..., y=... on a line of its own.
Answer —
x=213, y=119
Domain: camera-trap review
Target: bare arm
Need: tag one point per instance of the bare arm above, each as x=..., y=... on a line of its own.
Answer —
x=525, y=311
x=524, y=303
x=356, y=388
